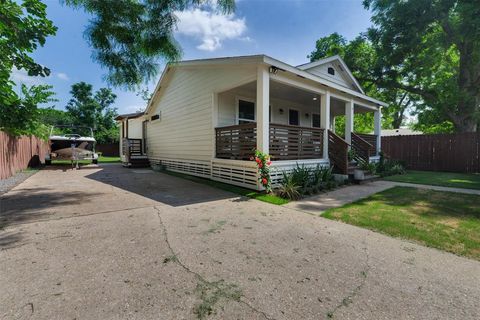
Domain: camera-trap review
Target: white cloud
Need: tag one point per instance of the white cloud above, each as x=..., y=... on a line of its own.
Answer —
x=62, y=76
x=210, y=27
x=21, y=76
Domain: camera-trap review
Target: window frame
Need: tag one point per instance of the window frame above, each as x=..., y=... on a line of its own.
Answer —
x=237, y=109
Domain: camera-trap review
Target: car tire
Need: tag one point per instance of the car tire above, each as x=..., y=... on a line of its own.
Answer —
x=48, y=162
x=95, y=161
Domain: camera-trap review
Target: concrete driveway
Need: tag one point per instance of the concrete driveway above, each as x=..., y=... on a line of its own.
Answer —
x=113, y=243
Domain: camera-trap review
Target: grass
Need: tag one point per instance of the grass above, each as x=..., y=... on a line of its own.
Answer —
x=444, y=220
x=101, y=159
x=445, y=179
x=270, y=198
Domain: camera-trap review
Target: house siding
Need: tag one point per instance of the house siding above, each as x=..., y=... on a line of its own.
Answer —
x=322, y=71
x=185, y=129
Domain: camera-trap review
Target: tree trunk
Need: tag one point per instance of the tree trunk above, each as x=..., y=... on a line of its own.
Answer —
x=464, y=124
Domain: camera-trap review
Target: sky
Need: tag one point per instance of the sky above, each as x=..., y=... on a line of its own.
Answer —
x=283, y=29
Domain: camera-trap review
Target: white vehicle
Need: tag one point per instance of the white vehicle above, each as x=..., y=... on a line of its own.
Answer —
x=71, y=146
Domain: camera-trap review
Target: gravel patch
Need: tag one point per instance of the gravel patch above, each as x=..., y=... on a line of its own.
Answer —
x=10, y=183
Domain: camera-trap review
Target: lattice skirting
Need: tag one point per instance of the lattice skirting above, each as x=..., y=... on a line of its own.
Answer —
x=236, y=172
x=240, y=173
x=193, y=167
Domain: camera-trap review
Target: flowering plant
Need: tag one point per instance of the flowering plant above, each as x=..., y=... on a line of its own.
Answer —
x=263, y=165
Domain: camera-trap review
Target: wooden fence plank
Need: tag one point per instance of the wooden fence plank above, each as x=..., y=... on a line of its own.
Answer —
x=19, y=153
x=459, y=152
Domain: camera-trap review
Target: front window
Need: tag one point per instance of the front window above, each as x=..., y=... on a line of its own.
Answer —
x=293, y=118
x=316, y=120
x=246, y=111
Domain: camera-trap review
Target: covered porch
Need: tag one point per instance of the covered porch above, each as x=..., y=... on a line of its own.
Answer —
x=291, y=119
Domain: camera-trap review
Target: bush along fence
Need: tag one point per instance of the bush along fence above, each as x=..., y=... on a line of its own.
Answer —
x=458, y=152
x=19, y=153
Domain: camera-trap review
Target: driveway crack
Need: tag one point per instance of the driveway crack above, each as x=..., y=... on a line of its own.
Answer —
x=210, y=291
x=347, y=300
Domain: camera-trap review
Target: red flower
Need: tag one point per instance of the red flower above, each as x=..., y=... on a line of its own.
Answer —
x=258, y=160
x=264, y=181
x=269, y=162
x=260, y=165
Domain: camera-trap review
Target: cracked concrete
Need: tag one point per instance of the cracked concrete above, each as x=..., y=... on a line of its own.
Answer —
x=92, y=244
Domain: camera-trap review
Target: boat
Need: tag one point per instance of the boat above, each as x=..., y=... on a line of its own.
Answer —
x=72, y=143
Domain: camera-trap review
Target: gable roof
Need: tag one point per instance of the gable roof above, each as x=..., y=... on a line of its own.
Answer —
x=236, y=60
x=344, y=68
x=129, y=116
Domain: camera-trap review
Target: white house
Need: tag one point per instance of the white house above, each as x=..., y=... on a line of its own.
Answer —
x=206, y=117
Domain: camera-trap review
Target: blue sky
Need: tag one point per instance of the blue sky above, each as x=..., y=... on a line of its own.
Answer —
x=284, y=29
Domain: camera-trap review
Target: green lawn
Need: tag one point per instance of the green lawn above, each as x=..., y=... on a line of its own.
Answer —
x=445, y=179
x=270, y=198
x=101, y=159
x=444, y=220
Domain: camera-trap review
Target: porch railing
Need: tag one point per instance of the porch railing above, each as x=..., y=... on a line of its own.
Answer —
x=370, y=138
x=236, y=142
x=338, y=152
x=362, y=147
x=132, y=147
x=286, y=142
x=291, y=142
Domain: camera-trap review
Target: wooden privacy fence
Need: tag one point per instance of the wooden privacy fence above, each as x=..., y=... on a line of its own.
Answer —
x=19, y=153
x=458, y=152
x=108, y=149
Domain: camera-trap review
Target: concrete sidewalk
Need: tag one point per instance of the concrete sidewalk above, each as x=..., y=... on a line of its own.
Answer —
x=318, y=204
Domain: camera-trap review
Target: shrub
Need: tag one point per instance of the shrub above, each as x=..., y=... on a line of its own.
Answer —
x=368, y=166
x=305, y=181
x=388, y=167
x=289, y=189
x=301, y=176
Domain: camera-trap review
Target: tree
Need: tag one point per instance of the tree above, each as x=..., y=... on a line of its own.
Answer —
x=51, y=116
x=94, y=110
x=435, y=46
x=23, y=27
x=361, y=57
x=21, y=116
x=129, y=37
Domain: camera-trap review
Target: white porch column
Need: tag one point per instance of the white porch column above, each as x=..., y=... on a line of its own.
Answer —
x=325, y=120
x=262, y=106
x=378, y=129
x=349, y=114
x=332, y=124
